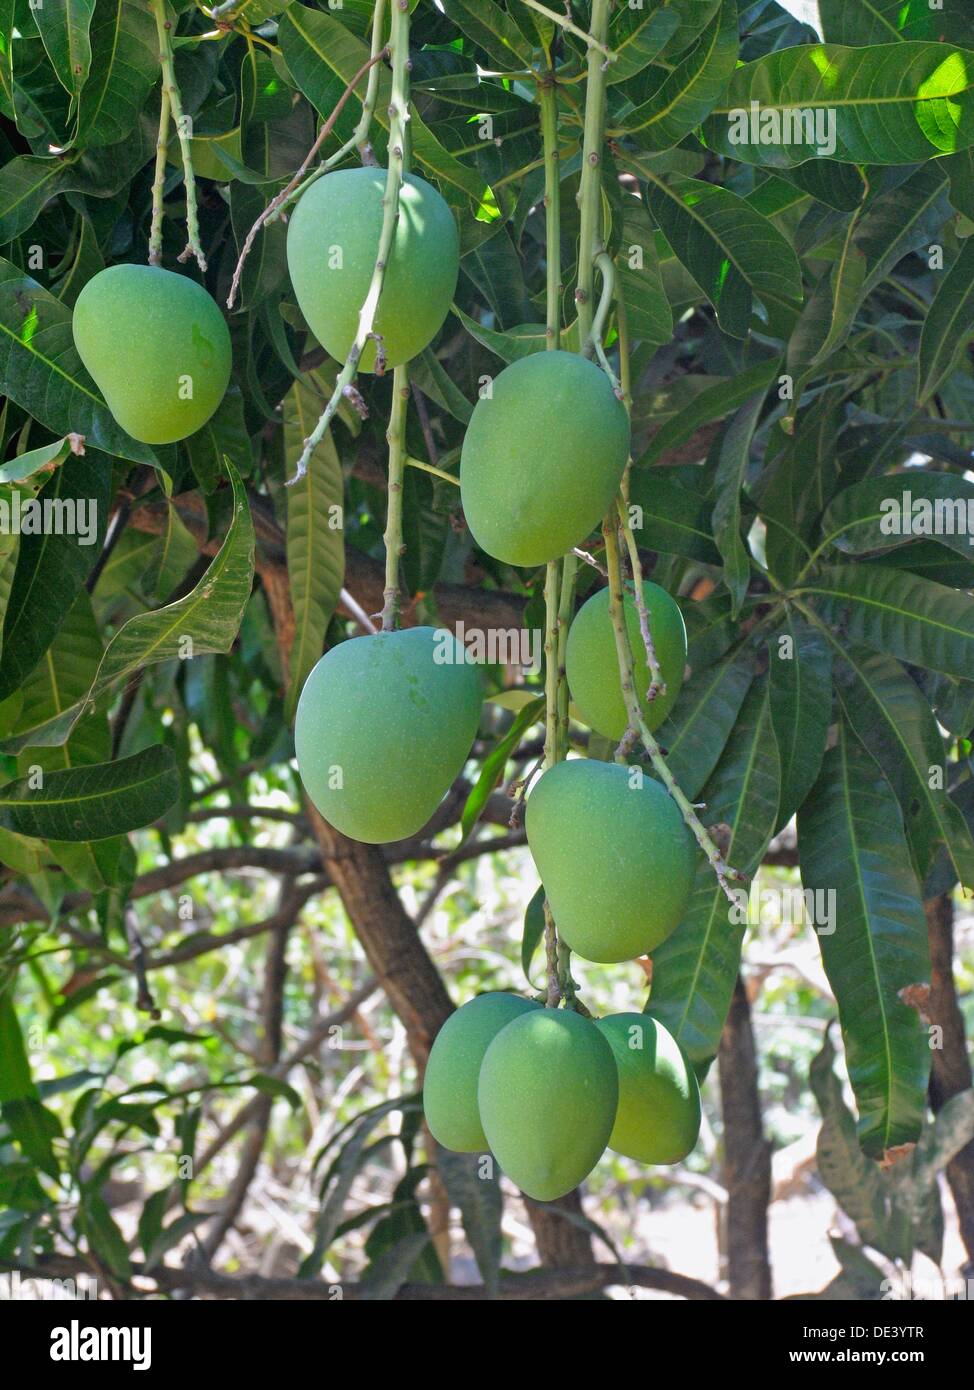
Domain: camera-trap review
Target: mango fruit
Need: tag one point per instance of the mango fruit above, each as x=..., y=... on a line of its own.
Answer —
x=542, y=457
x=332, y=243
x=157, y=347
x=548, y=1094
x=383, y=727
x=658, y=1120
x=591, y=664
x=453, y=1068
x=614, y=855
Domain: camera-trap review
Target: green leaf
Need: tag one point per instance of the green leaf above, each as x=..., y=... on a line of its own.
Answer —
x=27, y=183
x=493, y=30
x=59, y=680
x=695, y=733
x=732, y=252
x=896, y=509
x=851, y=843
x=15, y=1077
x=533, y=933
x=673, y=519
x=315, y=537
x=42, y=372
x=636, y=37
x=26, y=465
x=891, y=21
x=893, y=611
x=893, y=719
x=103, y=1235
x=648, y=313
x=52, y=566
x=494, y=765
x=949, y=324
x=800, y=669
x=124, y=68
x=890, y=104
x=473, y=1186
x=687, y=92
x=176, y=551
x=34, y=1127
x=695, y=969
x=206, y=620
x=712, y=403
x=93, y=802
x=63, y=26
x=732, y=458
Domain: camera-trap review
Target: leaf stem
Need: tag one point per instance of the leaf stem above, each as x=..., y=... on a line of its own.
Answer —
x=590, y=182
x=159, y=180
x=183, y=125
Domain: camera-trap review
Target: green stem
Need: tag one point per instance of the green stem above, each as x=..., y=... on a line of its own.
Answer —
x=590, y=182
x=395, y=438
x=431, y=468
x=548, y=97
x=398, y=157
x=183, y=127
x=159, y=180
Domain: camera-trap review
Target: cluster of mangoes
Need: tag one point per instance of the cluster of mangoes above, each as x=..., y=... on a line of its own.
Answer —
x=546, y=1090
x=385, y=723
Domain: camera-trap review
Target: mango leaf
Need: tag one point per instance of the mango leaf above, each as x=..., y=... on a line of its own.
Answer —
x=636, y=37
x=889, y=104
x=206, y=620
x=59, y=680
x=695, y=733
x=732, y=252
x=474, y=1188
x=687, y=92
x=26, y=465
x=891, y=21
x=41, y=371
x=93, y=802
x=732, y=458
x=893, y=611
x=53, y=564
x=124, y=67
x=695, y=969
x=671, y=518
x=531, y=938
x=949, y=325
x=63, y=26
x=27, y=183
x=315, y=537
x=851, y=842
x=712, y=403
x=494, y=764
x=494, y=30
x=897, y=508
x=800, y=670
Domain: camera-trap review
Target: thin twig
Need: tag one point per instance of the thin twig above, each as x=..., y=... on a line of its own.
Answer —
x=159, y=180
x=183, y=131
x=564, y=21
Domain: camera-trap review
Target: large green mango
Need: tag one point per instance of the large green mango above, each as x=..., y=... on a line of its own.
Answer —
x=158, y=349
x=542, y=457
x=453, y=1069
x=548, y=1095
x=592, y=666
x=658, y=1120
x=384, y=725
x=614, y=855
x=332, y=244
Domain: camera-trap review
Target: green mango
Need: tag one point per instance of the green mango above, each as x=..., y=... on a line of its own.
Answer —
x=548, y=1095
x=542, y=458
x=453, y=1069
x=592, y=666
x=658, y=1120
x=614, y=855
x=383, y=727
x=158, y=349
x=332, y=244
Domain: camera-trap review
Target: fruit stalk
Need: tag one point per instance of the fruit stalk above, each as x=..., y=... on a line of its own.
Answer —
x=398, y=154
x=183, y=127
x=637, y=725
x=159, y=180
x=396, y=439
x=590, y=182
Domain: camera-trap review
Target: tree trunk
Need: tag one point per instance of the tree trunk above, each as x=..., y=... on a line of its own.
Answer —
x=951, y=1065
x=747, y=1156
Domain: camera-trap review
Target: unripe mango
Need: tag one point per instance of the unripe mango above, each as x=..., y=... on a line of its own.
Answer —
x=548, y=1095
x=453, y=1069
x=542, y=457
x=591, y=664
x=332, y=244
x=384, y=725
x=157, y=347
x=614, y=855
x=658, y=1120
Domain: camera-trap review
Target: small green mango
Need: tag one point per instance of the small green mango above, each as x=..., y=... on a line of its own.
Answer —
x=453, y=1069
x=591, y=664
x=658, y=1120
x=332, y=244
x=383, y=726
x=615, y=858
x=542, y=457
x=157, y=347
x=548, y=1095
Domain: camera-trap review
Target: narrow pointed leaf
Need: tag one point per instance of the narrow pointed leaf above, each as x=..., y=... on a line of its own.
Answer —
x=94, y=802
